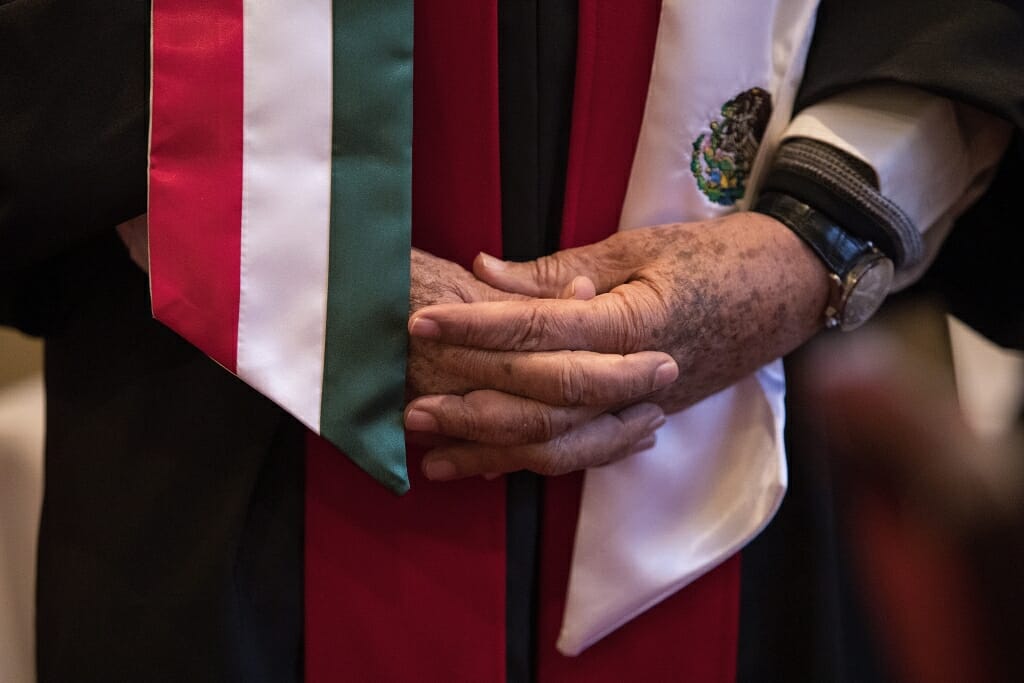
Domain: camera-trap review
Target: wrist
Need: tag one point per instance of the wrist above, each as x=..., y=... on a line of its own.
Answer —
x=858, y=273
x=775, y=285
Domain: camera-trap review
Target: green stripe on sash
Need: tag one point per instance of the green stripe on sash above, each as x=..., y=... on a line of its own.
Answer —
x=371, y=209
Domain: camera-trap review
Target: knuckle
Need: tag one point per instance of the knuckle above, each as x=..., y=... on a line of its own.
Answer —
x=538, y=422
x=485, y=418
x=634, y=320
x=428, y=371
x=621, y=380
x=534, y=328
x=552, y=464
x=471, y=365
x=572, y=383
x=463, y=417
x=628, y=325
x=622, y=436
x=547, y=271
x=562, y=455
x=640, y=378
x=467, y=459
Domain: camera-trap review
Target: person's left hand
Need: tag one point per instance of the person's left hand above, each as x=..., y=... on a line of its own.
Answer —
x=487, y=412
x=722, y=297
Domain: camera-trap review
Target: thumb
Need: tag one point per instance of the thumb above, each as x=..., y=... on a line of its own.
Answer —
x=581, y=288
x=551, y=277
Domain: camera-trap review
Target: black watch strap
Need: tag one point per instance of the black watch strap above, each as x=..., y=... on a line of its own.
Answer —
x=837, y=248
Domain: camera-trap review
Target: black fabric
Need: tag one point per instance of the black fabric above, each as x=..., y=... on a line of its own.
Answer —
x=996, y=556
x=170, y=546
x=171, y=535
x=38, y=299
x=970, y=51
x=977, y=272
x=846, y=190
x=73, y=123
x=801, y=615
x=536, y=67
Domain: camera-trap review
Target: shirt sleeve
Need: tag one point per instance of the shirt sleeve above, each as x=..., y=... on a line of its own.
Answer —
x=932, y=156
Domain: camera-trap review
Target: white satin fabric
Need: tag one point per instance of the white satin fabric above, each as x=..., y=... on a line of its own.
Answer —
x=286, y=201
x=651, y=524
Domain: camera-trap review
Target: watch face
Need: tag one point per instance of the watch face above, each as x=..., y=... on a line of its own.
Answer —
x=867, y=286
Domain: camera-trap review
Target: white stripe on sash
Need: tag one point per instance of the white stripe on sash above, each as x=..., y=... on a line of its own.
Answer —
x=286, y=196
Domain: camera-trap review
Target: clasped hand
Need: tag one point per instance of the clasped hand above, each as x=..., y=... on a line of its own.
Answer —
x=488, y=411
x=570, y=361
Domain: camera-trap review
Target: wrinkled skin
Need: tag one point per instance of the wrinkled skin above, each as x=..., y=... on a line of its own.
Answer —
x=492, y=411
x=720, y=298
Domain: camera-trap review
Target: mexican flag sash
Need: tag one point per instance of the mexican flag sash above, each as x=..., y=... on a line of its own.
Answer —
x=280, y=205
x=286, y=171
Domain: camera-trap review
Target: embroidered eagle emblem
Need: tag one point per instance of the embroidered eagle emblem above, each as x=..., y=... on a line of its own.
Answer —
x=723, y=155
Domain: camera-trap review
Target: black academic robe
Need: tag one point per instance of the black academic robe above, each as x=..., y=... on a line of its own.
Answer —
x=171, y=541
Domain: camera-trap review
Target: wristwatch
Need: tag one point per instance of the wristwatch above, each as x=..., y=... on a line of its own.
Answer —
x=860, y=274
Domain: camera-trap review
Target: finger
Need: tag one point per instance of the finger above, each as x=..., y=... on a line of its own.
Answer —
x=426, y=440
x=605, y=439
x=619, y=321
x=566, y=378
x=644, y=444
x=581, y=288
x=135, y=235
x=547, y=276
x=493, y=417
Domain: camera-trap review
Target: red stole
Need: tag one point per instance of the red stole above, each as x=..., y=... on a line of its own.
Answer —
x=413, y=588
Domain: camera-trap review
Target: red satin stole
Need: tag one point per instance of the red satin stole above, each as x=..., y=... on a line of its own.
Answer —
x=413, y=588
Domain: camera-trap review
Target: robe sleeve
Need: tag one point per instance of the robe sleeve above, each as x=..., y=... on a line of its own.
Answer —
x=73, y=107
x=970, y=53
x=931, y=156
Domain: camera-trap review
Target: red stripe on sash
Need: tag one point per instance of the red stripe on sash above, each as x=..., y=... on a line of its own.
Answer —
x=691, y=636
x=402, y=589
x=413, y=588
x=195, y=196
x=613, y=68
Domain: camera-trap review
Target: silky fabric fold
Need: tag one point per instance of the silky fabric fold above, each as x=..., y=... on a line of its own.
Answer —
x=280, y=205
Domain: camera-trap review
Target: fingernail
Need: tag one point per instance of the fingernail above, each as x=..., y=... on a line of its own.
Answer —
x=424, y=327
x=491, y=263
x=644, y=445
x=666, y=373
x=656, y=423
x=439, y=470
x=420, y=421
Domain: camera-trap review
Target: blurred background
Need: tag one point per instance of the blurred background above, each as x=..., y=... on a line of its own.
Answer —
x=21, y=488
x=915, y=431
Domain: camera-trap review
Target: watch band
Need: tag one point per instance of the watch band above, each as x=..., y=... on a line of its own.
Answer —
x=835, y=246
x=845, y=189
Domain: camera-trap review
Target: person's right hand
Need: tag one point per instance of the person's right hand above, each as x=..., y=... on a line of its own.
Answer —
x=490, y=412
